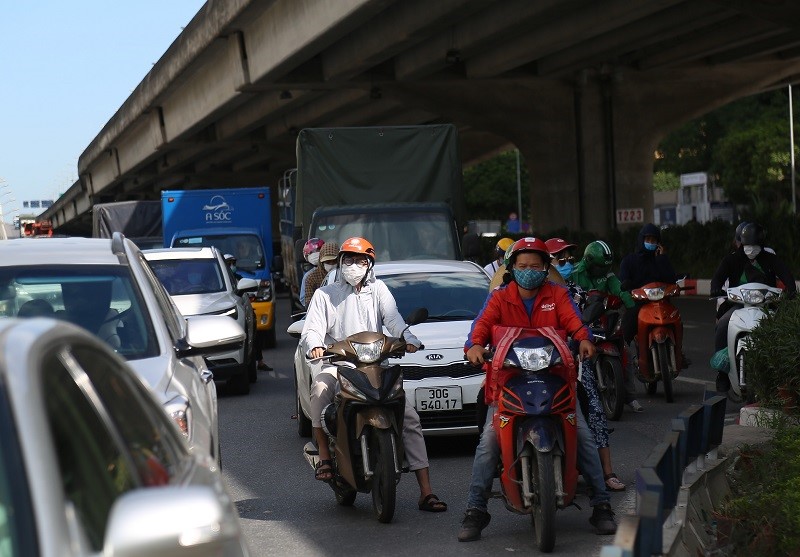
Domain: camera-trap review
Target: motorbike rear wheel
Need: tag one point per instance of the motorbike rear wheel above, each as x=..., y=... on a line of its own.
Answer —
x=384, y=479
x=666, y=372
x=543, y=511
x=613, y=396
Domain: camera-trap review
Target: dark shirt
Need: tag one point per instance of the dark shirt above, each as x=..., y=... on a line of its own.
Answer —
x=737, y=269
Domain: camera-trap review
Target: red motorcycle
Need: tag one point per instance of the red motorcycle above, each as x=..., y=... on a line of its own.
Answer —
x=536, y=424
x=659, y=336
x=603, y=314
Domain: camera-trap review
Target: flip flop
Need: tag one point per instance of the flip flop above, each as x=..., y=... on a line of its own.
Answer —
x=432, y=504
x=613, y=483
x=324, y=468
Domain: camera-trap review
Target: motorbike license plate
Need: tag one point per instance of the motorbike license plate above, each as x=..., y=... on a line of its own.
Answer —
x=437, y=399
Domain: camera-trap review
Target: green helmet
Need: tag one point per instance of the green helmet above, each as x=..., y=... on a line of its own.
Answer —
x=598, y=258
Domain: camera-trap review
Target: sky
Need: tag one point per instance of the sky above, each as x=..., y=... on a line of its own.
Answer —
x=65, y=69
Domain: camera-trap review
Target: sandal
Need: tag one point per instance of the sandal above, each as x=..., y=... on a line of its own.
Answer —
x=261, y=366
x=613, y=483
x=432, y=504
x=324, y=471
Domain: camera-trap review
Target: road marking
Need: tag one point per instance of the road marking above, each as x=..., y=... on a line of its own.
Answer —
x=696, y=381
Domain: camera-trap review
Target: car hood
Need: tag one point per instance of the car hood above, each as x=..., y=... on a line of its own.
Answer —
x=444, y=334
x=199, y=304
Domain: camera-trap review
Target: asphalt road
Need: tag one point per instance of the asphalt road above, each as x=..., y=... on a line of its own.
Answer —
x=286, y=512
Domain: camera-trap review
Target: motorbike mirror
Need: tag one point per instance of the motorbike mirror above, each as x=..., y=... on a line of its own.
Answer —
x=417, y=316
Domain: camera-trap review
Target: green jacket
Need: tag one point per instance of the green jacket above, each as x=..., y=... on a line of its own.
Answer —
x=609, y=283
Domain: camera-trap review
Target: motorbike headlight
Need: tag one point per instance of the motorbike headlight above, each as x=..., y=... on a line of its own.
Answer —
x=349, y=388
x=654, y=294
x=733, y=296
x=368, y=352
x=534, y=359
x=753, y=297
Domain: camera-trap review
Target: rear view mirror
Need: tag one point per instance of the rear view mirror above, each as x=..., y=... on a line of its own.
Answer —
x=419, y=315
x=246, y=285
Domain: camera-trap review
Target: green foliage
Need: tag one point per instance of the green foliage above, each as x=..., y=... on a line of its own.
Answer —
x=765, y=505
x=774, y=359
x=666, y=181
x=490, y=187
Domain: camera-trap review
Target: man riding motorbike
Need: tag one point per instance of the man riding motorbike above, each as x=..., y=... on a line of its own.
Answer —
x=356, y=302
x=562, y=260
x=528, y=300
x=750, y=262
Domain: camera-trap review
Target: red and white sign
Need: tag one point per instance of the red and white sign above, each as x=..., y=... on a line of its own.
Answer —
x=628, y=216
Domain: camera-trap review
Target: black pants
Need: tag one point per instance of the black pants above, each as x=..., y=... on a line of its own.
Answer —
x=721, y=331
x=630, y=323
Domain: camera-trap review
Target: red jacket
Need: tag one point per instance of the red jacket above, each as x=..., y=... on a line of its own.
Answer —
x=553, y=307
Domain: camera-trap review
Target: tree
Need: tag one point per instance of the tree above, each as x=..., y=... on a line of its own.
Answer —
x=490, y=187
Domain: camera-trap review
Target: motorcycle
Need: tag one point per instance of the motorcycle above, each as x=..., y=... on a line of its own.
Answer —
x=659, y=336
x=603, y=314
x=364, y=423
x=754, y=300
x=536, y=425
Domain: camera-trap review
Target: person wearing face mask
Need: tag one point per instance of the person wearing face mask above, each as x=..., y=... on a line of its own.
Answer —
x=311, y=251
x=750, y=262
x=528, y=299
x=356, y=301
x=326, y=262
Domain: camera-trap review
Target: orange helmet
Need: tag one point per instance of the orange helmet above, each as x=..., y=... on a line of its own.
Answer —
x=358, y=245
x=529, y=244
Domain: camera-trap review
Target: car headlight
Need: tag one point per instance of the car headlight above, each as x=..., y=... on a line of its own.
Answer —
x=753, y=296
x=349, y=388
x=368, y=352
x=534, y=359
x=179, y=410
x=654, y=294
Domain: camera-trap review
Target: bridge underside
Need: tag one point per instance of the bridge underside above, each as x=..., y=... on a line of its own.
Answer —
x=585, y=89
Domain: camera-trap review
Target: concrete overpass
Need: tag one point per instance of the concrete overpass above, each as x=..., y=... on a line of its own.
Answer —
x=585, y=89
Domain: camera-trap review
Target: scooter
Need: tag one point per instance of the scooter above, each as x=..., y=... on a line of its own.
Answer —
x=536, y=425
x=364, y=423
x=754, y=299
x=603, y=315
x=659, y=336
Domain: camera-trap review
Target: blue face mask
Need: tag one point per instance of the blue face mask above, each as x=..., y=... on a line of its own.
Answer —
x=529, y=278
x=650, y=247
x=565, y=270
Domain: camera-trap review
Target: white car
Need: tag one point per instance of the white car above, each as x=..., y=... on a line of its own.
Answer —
x=442, y=385
x=89, y=464
x=107, y=287
x=200, y=284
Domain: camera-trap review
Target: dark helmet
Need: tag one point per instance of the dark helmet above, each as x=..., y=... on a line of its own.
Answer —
x=737, y=237
x=598, y=258
x=753, y=234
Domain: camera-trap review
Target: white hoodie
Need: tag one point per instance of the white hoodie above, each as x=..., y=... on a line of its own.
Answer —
x=336, y=311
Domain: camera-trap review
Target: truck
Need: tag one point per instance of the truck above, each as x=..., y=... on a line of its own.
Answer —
x=237, y=221
x=400, y=187
x=138, y=220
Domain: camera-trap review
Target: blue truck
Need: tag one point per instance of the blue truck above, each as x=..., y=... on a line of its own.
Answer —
x=237, y=221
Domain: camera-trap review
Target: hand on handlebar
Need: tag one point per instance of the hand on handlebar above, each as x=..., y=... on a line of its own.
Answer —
x=410, y=348
x=476, y=354
x=316, y=353
x=587, y=350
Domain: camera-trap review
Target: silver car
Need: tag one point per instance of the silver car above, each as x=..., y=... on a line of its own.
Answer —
x=201, y=284
x=442, y=385
x=89, y=464
x=107, y=287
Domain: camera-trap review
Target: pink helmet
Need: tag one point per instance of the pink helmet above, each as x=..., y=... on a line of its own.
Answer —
x=311, y=246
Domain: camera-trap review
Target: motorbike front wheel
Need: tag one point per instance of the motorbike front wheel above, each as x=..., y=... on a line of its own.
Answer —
x=384, y=479
x=543, y=511
x=666, y=372
x=613, y=395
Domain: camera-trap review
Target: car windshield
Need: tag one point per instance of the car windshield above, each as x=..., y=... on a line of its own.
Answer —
x=102, y=299
x=447, y=296
x=189, y=276
x=397, y=236
x=246, y=248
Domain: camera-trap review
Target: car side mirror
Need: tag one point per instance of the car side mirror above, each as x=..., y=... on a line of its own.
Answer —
x=246, y=285
x=209, y=334
x=157, y=520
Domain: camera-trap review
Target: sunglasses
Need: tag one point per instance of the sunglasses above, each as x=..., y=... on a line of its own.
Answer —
x=564, y=260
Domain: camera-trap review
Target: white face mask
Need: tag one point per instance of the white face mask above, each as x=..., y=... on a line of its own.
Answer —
x=329, y=266
x=313, y=258
x=353, y=273
x=752, y=251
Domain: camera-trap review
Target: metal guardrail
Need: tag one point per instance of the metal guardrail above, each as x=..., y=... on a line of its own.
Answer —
x=696, y=433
